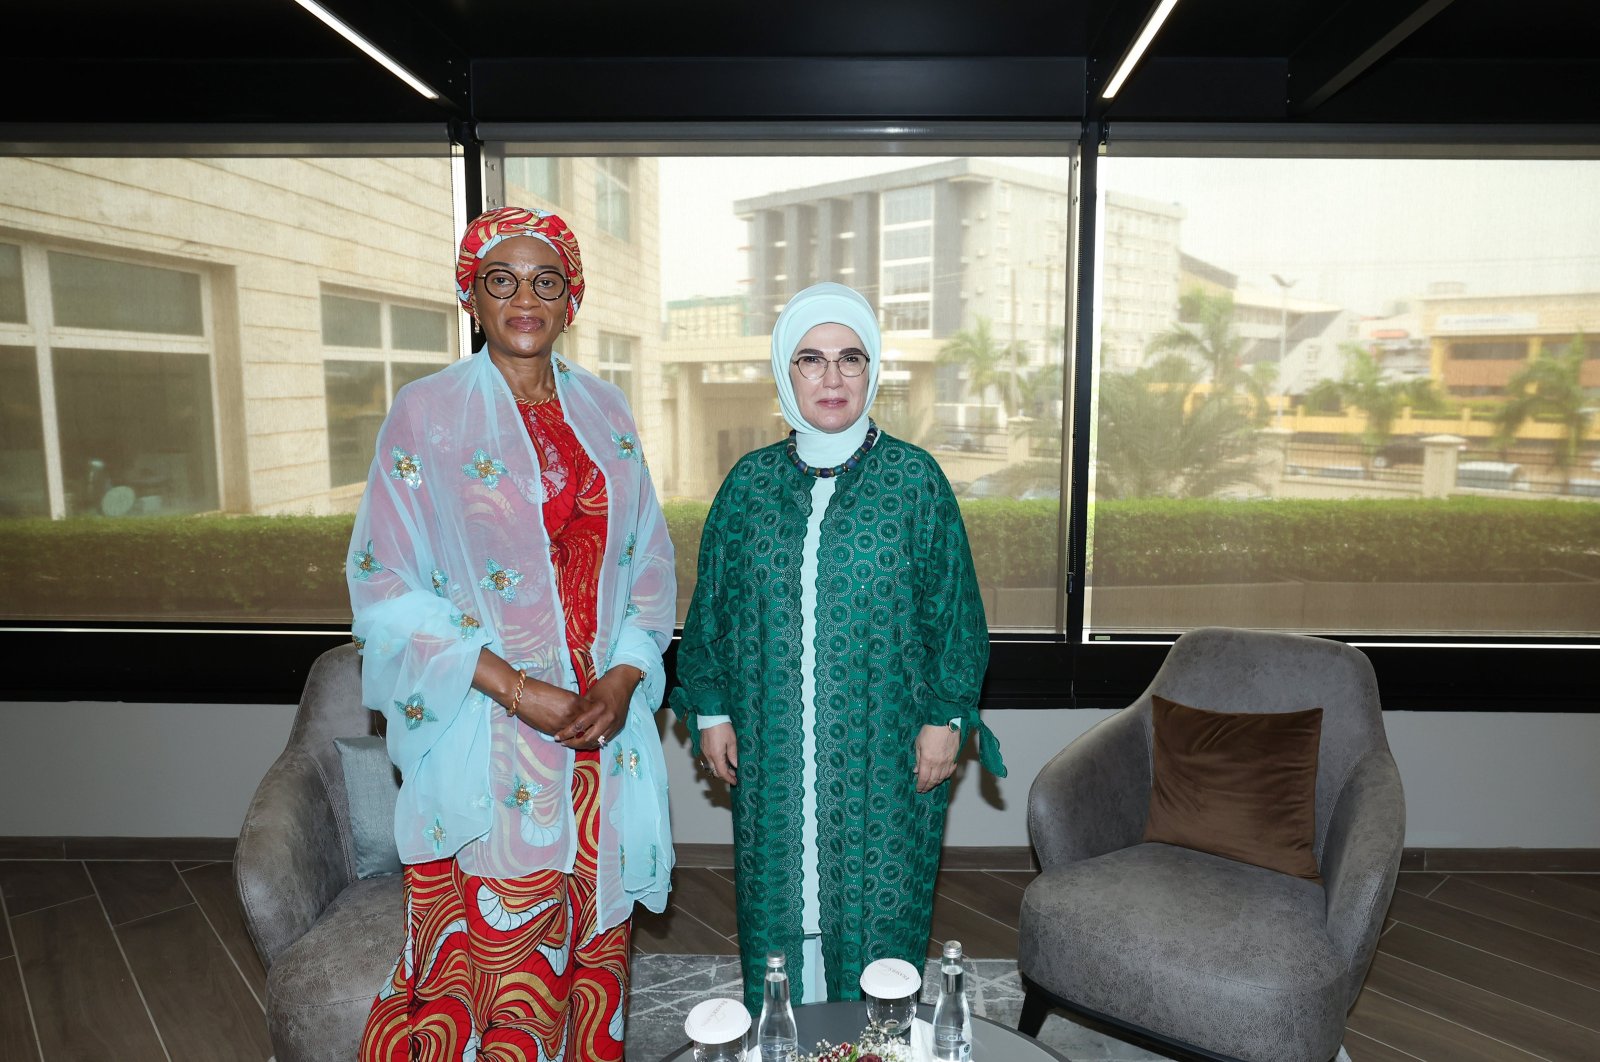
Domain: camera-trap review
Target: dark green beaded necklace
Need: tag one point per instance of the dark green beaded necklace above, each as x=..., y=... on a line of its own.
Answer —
x=837, y=470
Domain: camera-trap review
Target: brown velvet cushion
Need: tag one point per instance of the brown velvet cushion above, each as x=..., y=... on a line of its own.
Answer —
x=1237, y=784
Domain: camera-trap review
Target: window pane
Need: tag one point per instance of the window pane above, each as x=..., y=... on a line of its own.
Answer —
x=350, y=322
x=356, y=405
x=539, y=177
x=12, y=307
x=906, y=279
x=414, y=329
x=720, y=244
x=612, y=189
x=229, y=422
x=616, y=361
x=23, y=490
x=136, y=432
x=121, y=296
x=907, y=243
x=1331, y=399
x=404, y=372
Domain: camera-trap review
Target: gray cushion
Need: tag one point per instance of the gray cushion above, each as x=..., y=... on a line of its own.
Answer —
x=321, y=989
x=1147, y=933
x=372, y=785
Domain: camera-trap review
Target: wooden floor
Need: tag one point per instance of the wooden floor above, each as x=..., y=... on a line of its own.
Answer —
x=147, y=960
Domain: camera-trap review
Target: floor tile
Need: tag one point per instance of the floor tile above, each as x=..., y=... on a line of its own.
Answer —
x=1493, y=973
x=1017, y=879
x=17, y=1041
x=29, y=886
x=136, y=890
x=202, y=1008
x=1527, y=915
x=1418, y=883
x=213, y=888
x=1530, y=949
x=977, y=890
x=1369, y=1050
x=85, y=1002
x=1427, y=1036
x=676, y=932
x=1518, y=1024
x=708, y=896
x=1576, y=894
x=981, y=936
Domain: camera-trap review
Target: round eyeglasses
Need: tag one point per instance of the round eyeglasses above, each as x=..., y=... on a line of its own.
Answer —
x=548, y=284
x=815, y=366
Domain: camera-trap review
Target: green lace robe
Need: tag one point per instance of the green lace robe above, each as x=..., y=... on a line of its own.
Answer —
x=901, y=642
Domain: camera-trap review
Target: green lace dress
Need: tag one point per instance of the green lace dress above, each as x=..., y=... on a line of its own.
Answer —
x=900, y=642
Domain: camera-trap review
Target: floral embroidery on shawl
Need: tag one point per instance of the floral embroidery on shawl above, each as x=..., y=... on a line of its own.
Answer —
x=482, y=466
x=502, y=581
x=407, y=468
x=366, y=564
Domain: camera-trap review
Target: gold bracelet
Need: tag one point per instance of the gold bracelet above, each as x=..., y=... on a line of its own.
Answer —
x=516, y=695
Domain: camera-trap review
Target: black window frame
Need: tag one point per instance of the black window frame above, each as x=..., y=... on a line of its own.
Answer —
x=267, y=664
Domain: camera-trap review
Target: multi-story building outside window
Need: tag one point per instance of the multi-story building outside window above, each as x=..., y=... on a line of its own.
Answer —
x=372, y=349
x=616, y=360
x=1141, y=270
x=539, y=176
x=906, y=257
x=613, y=196
x=107, y=362
x=708, y=317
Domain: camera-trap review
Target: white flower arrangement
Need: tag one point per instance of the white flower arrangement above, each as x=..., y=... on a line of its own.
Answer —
x=873, y=1045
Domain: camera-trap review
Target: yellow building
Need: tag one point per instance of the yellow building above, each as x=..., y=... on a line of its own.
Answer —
x=1478, y=342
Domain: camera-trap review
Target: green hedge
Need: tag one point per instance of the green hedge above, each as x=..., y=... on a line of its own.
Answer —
x=1174, y=542
x=292, y=567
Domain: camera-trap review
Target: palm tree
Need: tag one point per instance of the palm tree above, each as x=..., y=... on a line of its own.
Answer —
x=1211, y=336
x=985, y=359
x=1324, y=396
x=1551, y=383
x=1149, y=447
x=1259, y=384
x=1364, y=387
x=1035, y=395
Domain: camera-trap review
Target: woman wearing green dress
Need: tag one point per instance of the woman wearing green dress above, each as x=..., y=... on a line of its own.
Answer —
x=831, y=663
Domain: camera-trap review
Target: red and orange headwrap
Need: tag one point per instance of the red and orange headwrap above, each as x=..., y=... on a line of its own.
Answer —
x=489, y=228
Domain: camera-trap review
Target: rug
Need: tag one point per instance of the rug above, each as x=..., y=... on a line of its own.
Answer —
x=665, y=987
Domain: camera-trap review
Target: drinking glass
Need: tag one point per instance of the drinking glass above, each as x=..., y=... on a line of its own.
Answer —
x=890, y=988
x=718, y=1028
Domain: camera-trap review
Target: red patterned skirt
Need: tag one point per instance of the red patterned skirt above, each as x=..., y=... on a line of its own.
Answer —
x=511, y=970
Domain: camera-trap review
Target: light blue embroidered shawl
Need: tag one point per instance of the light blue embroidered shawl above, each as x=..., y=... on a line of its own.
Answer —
x=450, y=555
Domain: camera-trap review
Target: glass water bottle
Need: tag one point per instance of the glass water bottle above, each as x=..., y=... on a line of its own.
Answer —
x=952, y=1015
x=775, y=1030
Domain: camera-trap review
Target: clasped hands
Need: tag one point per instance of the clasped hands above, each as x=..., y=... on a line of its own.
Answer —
x=935, y=746
x=580, y=721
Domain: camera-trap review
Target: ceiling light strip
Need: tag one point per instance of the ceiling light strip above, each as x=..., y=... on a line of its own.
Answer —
x=338, y=25
x=1130, y=58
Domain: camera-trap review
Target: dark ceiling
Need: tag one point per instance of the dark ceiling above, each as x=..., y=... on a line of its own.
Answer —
x=267, y=61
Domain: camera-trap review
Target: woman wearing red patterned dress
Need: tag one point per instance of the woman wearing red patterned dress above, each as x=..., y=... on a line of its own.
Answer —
x=513, y=590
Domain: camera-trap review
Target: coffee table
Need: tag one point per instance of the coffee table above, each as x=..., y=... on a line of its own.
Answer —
x=837, y=1022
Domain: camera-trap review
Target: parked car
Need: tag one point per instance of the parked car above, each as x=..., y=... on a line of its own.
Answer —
x=1032, y=479
x=1409, y=451
x=960, y=440
x=1399, y=452
x=1491, y=475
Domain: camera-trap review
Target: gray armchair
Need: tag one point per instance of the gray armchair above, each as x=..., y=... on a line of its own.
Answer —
x=327, y=939
x=1188, y=952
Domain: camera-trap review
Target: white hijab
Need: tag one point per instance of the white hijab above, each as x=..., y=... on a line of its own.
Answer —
x=825, y=303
